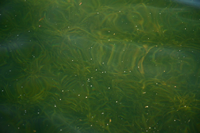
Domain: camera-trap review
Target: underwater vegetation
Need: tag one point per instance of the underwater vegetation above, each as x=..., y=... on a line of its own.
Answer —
x=99, y=66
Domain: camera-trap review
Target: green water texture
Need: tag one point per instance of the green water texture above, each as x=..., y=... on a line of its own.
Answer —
x=93, y=66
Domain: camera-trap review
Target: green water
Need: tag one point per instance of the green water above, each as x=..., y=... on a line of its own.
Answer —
x=92, y=66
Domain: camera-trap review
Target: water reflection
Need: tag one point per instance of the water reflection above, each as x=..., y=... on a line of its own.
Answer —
x=194, y=3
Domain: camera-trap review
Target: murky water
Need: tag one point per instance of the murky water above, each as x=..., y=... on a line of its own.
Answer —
x=99, y=66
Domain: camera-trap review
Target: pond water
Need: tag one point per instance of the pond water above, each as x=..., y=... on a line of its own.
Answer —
x=92, y=66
